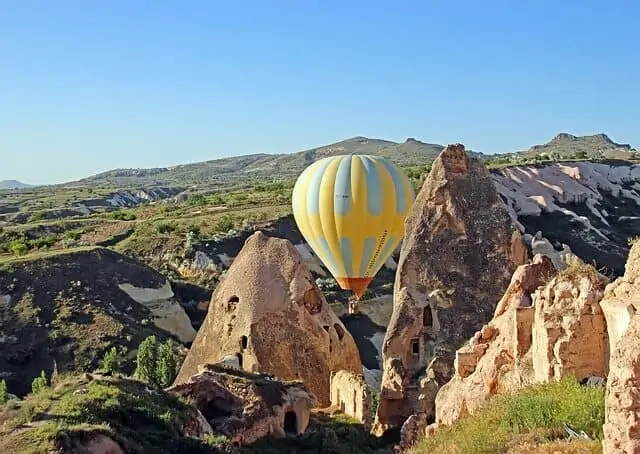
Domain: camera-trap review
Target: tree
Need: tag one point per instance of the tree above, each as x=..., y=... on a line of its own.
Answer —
x=146, y=361
x=39, y=383
x=4, y=393
x=112, y=361
x=167, y=366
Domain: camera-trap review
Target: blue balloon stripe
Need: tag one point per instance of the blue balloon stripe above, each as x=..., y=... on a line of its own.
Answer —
x=398, y=183
x=313, y=192
x=374, y=186
x=342, y=187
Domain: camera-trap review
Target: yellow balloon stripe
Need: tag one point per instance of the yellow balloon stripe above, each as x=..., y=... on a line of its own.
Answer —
x=346, y=209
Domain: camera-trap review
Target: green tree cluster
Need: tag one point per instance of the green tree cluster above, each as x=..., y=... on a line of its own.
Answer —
x=157, y=363
x=39, y=383
x=4, y=392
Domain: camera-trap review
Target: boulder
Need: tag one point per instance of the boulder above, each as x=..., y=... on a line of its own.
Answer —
x=268, y=313
x=244, y=406
x=459, y=251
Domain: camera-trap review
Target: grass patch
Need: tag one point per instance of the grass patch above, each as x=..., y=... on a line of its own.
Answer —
x=532, y=417
x=140, y=419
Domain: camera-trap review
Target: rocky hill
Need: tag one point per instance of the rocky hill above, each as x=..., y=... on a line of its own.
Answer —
x=597, y=146
x=70, y=307
x=261, y=167
x=13, y=184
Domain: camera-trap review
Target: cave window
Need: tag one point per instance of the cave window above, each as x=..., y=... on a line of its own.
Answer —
x=415, y=346
x=355, y=407
x=231, y=304
x=326, y=328
x=339, y=331
x=291, y=423
x=239, y=356
x=427, y=317
x=243, y=342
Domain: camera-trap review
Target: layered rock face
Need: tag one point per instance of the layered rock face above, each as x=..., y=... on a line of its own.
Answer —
x=350, y=393
x=459, y=252
x=622, y=424
x=591, y=206
x=245, y=406
x=569, y=329
x=268, y=315
x=543, y=330
x=499, y=356
x=622, y=297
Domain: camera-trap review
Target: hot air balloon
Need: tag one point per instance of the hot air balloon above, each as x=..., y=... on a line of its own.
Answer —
x=351, y=210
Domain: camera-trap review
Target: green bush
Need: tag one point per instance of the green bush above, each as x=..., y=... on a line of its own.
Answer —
x=4, y=392
x=37, y=216
x=18, y=247
x=73, y=234
x=224, y=224
x=45, y=241
x=193, y=228
x=39, y=383
x=157, y=363
x=165, y=227
x=112, y=361
x=196, y=200
x=122, y=215
x=167, y=365
x=146, y=360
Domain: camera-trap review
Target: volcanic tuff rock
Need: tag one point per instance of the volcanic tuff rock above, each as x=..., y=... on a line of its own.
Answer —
x=620, y=305
x=569, y=328
x=498, y=357
x=459, y=252
x=543, y=330
x=70, y=307
x=622, y=298
x=622, y=424
x=246, y=406
x=269, y=314
x=593, y=207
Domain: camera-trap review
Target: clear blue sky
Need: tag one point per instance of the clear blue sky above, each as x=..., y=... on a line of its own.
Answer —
x=87, y=86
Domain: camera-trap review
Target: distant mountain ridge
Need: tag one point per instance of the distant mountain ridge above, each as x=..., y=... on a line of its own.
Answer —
x=13, y=184
x=259, y=167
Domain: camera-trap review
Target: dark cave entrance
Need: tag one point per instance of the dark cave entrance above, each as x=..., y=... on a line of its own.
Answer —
x=427, y=317
x=291, y=423
x=215, y=409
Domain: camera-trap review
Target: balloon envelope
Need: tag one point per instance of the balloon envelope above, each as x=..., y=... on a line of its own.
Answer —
x=351, y=211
